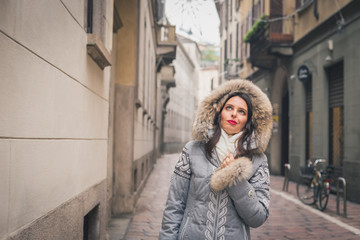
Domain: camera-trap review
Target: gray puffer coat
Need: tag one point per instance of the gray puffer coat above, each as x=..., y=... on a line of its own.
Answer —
x=207, y=202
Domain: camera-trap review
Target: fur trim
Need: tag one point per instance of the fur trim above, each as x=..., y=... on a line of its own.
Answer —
x=240, y=170
x=262, y=111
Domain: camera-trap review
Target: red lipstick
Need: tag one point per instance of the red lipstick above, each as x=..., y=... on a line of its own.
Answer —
x=232, y=122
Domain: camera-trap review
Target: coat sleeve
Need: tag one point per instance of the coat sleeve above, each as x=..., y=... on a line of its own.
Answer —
x=177, y=197
x=252, y=198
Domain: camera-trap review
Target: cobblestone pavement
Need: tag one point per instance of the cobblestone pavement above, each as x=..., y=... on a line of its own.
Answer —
x=289, y=218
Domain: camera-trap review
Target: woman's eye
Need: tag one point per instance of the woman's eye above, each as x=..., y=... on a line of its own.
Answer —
x=228, y=107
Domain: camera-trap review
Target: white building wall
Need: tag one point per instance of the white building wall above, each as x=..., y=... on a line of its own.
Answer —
x=193, y=51
x=54, y=102
x=183, y=98
x=145, y=115
x=208, y=76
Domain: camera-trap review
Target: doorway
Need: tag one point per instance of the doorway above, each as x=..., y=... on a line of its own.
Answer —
x=336, y=114
x=284, y=131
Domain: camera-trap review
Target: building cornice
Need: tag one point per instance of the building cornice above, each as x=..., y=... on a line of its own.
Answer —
x=327, y=28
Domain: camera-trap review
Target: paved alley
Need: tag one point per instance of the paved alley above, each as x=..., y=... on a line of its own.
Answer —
x=289, y=218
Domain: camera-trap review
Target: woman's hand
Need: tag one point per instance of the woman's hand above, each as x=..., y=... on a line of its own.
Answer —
x=229, y=159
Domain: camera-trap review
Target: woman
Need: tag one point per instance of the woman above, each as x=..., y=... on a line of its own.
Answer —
x=220, y=186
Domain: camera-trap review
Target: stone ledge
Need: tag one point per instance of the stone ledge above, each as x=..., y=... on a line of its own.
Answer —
x=97, y=51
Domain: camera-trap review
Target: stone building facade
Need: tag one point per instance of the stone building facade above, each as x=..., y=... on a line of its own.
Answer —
x=180, y=111
x=54, y=126
x=144, y=45
x=303, y=55
x=80, y=90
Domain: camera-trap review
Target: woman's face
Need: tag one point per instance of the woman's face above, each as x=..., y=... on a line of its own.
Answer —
x=234, y=115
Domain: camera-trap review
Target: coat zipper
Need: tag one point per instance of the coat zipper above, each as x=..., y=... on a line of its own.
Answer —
x=217, y=160
x=216, y=215
x=183, y=230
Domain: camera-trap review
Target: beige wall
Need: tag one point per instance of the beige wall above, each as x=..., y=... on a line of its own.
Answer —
x=126, y=44
x=136, y=60
x=305, y=21
x=135, y=103
x=54, y=104
x=124, y=104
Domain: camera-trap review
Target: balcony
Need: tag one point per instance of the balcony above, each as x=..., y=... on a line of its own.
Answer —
x=274, y=40
x=231, y=68
x=166, y=44
x=167, y=77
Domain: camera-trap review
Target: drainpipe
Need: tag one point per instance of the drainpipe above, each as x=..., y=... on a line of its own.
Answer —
x=316, y=13
x=252, y=17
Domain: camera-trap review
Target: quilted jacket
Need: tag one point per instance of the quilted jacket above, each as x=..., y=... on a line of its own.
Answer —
x=206, y=202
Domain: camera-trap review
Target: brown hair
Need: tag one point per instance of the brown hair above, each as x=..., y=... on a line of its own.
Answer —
x=245, y=137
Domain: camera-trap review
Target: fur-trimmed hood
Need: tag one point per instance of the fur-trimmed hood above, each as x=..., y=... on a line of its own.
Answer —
x=261, y=118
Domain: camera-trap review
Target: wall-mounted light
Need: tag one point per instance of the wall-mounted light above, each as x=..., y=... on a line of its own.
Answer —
x=340, y=25
x=328, y=59
x=330, y=47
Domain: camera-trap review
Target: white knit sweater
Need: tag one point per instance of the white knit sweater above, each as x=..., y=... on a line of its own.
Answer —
x=226, y=144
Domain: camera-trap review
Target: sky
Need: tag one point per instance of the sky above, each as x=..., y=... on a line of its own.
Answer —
x=196, y=19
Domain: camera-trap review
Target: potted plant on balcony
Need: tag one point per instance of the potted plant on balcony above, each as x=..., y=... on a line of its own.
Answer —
x=258, y=27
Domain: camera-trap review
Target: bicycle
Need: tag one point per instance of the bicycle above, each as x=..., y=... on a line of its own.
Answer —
x=314, y=185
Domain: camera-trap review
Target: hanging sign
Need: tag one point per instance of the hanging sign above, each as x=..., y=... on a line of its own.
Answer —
x=304, y=73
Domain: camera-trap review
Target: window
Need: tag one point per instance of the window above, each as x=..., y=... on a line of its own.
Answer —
x=227, y=14
x=276, y=11
x=90, y=11
x=221, y=17
x=95, y=22
x=230, y=46
x=117, y=23
x=308, y=107
x=258, y=9
x=248, y=26
x=237, y=41
x=225, y=50
x=96, y=18
x=91, y=225
x=142, y=171
x=135, y=180
x=237, y=4
x=241, y=42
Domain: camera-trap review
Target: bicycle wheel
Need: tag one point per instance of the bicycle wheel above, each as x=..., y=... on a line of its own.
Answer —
x=323, y=197
x=305, y=191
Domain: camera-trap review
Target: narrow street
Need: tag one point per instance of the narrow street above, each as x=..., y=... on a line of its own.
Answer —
x=289, y=218
x=92, y=92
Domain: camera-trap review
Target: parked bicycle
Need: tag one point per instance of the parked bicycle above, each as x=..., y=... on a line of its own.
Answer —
x=314, y=185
